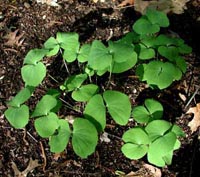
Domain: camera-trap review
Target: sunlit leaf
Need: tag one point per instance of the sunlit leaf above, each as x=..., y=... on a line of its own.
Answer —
x=118, y=105
x=84, y=138
x=33, y=75
x=18, y=117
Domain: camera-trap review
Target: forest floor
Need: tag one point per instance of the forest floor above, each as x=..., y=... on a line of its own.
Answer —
x=25, y=25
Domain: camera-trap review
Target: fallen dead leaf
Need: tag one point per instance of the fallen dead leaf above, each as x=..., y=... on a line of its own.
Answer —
x=31, y=166
x=126, y=2
x=195, y=122
x=13, y=38
x=154, y=170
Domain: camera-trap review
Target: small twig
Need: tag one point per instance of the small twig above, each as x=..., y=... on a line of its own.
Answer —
x=53, y=78
x=194, y=94
x=43, y=156
x=32, y=136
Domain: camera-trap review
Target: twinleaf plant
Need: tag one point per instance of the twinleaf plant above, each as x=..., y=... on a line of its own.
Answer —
x=159, y=61
x=155, y=137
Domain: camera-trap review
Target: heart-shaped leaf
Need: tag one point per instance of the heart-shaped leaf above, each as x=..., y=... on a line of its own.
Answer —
x=99, y=57
x=44, y=106
x=84, y=139
x=157, y=17
x=124, y=66
x=95, y=112
x=136, y=143
x=35, y=55
x=46, y=125
x=84, y=53
x=144, y=26
x=118, y=105
x=157, y=73
x=134, y=151
x=157, y=128
x=145, y=53
x=52, y=45
x=18, y=117
x=85, y=92
x=151, y=110
x=160, y=148
x=70, y=44
x=120, y=51
x=171, y=52
x=21, y=97
x=59, y=141
x=33, y=75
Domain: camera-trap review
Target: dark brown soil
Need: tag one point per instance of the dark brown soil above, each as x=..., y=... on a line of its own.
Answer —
x=33, y=24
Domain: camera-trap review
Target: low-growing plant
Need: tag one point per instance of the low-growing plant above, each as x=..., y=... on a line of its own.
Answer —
x=159, y=62
x=152, y=136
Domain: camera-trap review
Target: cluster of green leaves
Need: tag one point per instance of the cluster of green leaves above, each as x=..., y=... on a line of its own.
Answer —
x=155, y=137
x=159, y=62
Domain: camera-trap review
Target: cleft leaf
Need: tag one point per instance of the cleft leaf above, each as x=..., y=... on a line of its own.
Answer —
x=84, y=138
x=118, y=105
x=18, y=117
x=33, y=75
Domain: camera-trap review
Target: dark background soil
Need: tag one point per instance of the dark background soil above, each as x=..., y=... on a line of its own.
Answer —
x=36, y=23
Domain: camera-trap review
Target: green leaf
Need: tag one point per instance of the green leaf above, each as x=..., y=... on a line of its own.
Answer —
x=85, y=92
x=35, y=55
x=84, y=53
x=124, y=66
x=160, y=148
x=144, y=52
x=120, y=51
x=130, y=38
x=99, y=57
x=84, y=139
x=21, y=97
x=157, y=73
x=157, y=128
x=33, y=75
x=134, y=151
x=171, y=52
x=18, y=117
x=118, y=105
x=141, y=114
x=136, y=143
x=59, y=141
x=136, y=136
x=168, y=158
x=144, y=26
x=46, y=125
x=44, y=106
x=181, y=63
x=151, y=110
x=185, y=49
x=177, y=130
x=74, y=82
x=95, y=112
x=52, y=45
x=70, y=44
x=157, y=17
x=165, y=40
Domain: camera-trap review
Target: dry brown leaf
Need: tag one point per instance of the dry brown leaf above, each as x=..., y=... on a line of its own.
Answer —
x=156, y=172
x=195, y=122
x=126, y=2
x=31, y=166
x=14, y=39
x=174, y=6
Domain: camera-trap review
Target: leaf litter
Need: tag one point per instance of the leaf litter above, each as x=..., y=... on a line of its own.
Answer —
x=195, y=122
